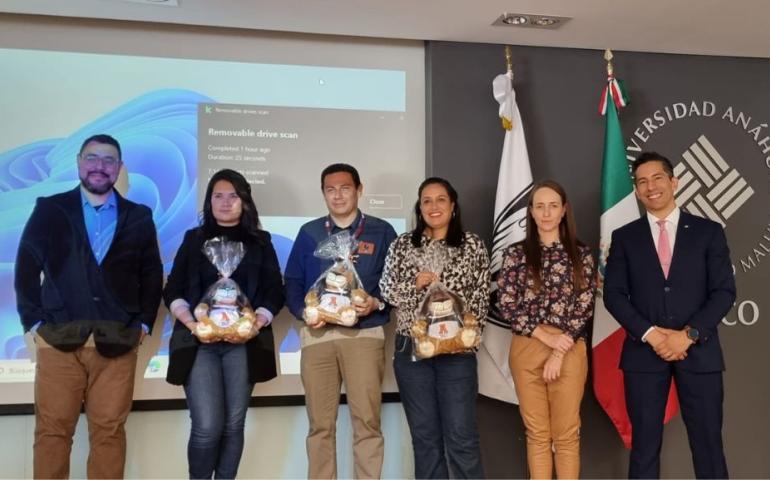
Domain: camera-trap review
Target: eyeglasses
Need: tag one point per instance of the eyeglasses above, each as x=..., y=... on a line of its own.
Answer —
x=93, y=159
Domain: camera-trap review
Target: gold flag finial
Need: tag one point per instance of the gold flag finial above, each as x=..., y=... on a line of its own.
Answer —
x=608, y=57
x=508, y=60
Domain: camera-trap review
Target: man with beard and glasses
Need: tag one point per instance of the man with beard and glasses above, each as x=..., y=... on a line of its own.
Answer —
x=88, y=285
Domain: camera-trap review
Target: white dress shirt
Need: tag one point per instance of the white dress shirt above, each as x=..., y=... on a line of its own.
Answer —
x=672, y=222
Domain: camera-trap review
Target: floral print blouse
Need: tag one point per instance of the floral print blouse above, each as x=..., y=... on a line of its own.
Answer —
x=466, y=274
x=557, y=303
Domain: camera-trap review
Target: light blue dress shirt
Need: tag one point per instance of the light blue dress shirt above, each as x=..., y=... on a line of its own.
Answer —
x=100, y=224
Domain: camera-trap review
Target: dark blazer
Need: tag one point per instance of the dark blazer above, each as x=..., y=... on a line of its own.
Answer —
x=77, y=296
x=699, y=291
x=264, y=288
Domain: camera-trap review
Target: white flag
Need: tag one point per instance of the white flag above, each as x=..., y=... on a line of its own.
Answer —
x=513, y=186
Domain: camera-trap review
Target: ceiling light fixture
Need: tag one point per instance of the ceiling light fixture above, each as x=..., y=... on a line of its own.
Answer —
x=530, y=20
x=515, y=20
x=546, y=21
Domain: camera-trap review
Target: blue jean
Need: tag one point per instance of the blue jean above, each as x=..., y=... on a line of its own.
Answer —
x=218, y=393
x=439, y=399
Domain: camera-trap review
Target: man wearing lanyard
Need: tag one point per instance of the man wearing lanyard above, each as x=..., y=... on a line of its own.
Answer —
x=334, y=354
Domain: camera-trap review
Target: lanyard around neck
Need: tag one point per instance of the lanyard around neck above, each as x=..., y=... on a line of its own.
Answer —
x=358, y=231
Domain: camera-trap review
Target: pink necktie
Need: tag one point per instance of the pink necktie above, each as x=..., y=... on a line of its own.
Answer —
x=664, y=248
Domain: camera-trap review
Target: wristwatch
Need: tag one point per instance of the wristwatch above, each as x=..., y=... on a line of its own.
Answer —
x=693, y=334
x=380, y=305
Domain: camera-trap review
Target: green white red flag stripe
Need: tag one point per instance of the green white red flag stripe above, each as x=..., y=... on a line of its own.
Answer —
x=618, y=205
x=616, y=91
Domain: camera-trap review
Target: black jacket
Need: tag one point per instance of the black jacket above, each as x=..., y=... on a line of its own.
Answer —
x=264, y=288
x=699, y=291
x=77, y=296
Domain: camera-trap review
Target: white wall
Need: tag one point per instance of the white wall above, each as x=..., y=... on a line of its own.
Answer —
x=157, y=444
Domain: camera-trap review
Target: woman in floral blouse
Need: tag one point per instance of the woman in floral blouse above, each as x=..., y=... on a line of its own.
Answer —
x=546, y=290
x=438, y=393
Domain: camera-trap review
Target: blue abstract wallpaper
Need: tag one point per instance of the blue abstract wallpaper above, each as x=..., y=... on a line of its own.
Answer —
x=158, y=135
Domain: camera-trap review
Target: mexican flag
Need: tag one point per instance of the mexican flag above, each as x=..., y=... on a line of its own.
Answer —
x=619, y=207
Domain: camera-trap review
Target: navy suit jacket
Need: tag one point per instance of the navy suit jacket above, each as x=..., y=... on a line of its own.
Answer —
x=77, y=296
x=699, y=291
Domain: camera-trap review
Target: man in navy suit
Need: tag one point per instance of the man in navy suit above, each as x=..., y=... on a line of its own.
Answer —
x=669, y=282
x=88, y=284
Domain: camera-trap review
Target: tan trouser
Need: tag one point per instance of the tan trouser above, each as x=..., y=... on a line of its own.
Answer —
x=65, y=381
x=550, y=411
x=360, y=363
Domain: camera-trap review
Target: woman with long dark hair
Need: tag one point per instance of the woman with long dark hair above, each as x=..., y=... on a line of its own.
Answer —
x=546, y=291
x=438, y=393
x=218, y=375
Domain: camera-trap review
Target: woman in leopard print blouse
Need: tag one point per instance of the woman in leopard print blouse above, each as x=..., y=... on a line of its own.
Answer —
x=438, y=393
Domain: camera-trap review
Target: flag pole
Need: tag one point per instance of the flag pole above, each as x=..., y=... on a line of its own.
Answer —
x=507, y=120
x=608, y=57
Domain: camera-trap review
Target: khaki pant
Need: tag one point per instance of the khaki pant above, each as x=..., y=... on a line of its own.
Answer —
x=550, y=411
x=359, y=362
x=64, y=382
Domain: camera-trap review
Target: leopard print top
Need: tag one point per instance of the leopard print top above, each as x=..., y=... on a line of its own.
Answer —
x=466, y=274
